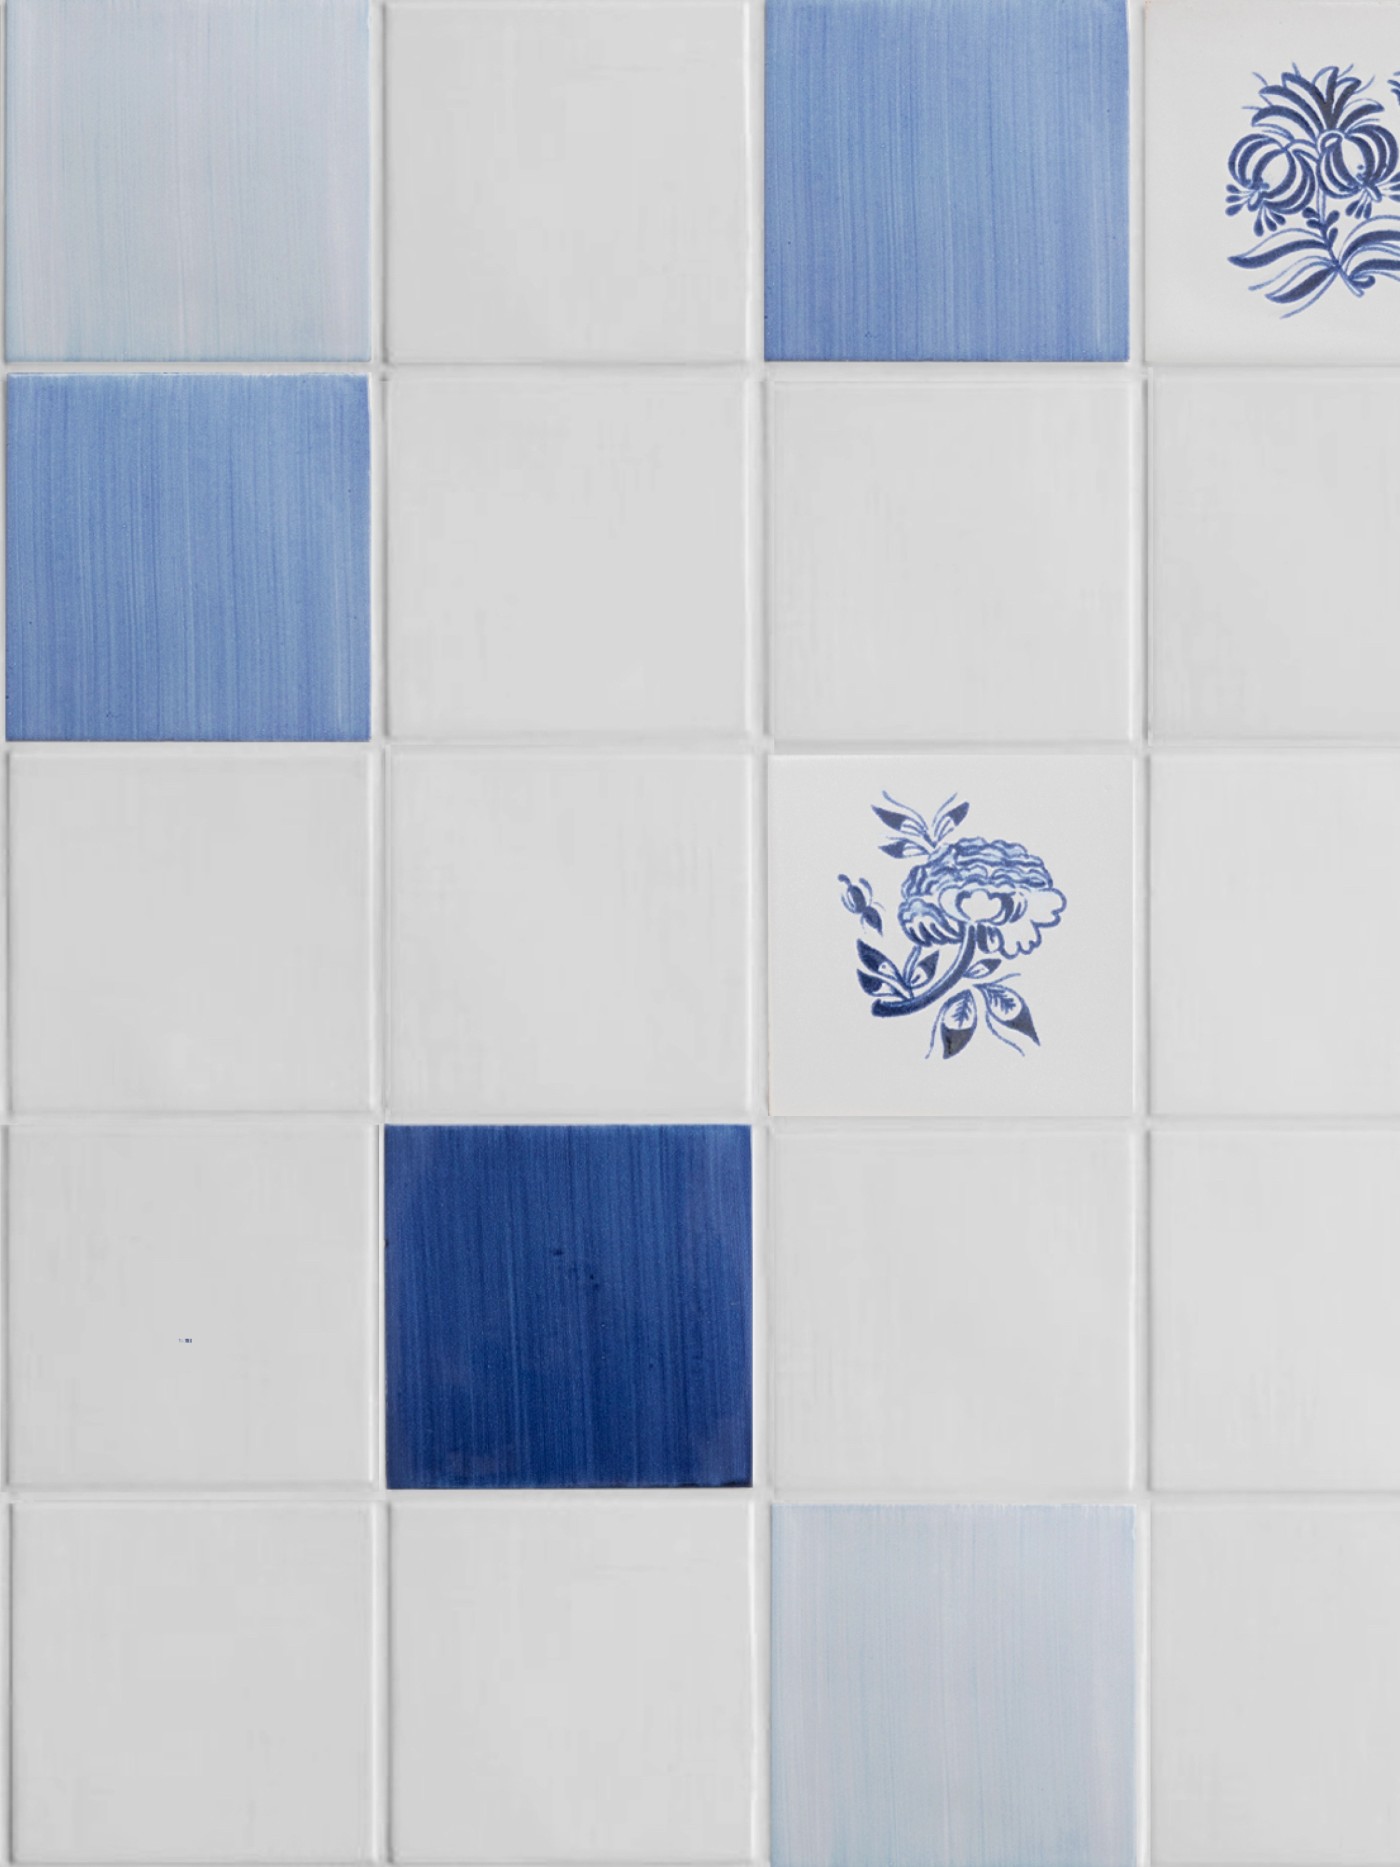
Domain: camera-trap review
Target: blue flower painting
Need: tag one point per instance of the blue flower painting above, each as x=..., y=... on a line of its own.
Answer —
x=1316, y=166
x=967, y=905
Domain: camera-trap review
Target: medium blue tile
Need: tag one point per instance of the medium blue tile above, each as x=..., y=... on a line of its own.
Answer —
x=187, y=179
x=568, y=1306
x=953, y=1686
x=188, y=557
x=947, y=179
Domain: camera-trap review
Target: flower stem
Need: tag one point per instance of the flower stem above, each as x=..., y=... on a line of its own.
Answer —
x=903, y=1007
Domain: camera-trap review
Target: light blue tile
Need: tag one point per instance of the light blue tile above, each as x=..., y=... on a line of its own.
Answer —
x=947, y=179
x=188, y=557
x=953, y=1686
x=187, y=179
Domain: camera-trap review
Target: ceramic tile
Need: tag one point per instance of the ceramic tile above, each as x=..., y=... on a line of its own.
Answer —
x=1248, y=1015
x=188, y=557
x=568, y=1306
x=572, y=1682
x=164, y=1286
x=952, y=1685
x=890, y=987
x=192, y=1684
x=1275, y=1684
x=947, y=179
x=1276, y=1292
x=569, y=935
x=187, y=181
x=566, y=182
x=190, y=932
x=905, y=1361
x=566, y=555
x=1253, y=107
x=952, y=561
x=1251, y=641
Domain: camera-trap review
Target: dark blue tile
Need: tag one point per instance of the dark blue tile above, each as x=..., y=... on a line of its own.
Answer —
x=947, y=179
x=188, y=557
x=568, y=1306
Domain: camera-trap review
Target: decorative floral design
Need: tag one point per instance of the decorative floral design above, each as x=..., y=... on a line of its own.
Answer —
x=1316, y=149
x=986, y=901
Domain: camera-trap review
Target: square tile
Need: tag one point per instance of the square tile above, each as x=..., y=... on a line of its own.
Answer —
x=569, y=935
x=1251, y=106
x=952, y=1685
x=566, y=555
x=190, y=931
x=187, y=181
x=1250, y=638
x=1250, y=1014
x=568, y=1306
x=1275, y=1684
x=164, y=1285
x=192, y=1683
x=188, y=557
x=952, y=561
x=890, y=987
x=572, y=1681
x=567, y=182
x=905, y=1361
x=947, y=179
x=1276, y=1305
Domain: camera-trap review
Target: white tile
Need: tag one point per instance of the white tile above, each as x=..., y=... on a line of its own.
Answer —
x=571, y=1682
x=566, y=182
x=1268, y=870
x=566, y=554
x=1276, y=1307
x=1266, y=613
x=189, y=931
x=192, y=1683
x=1206, y=62
x=1065, y=871
x=1275, y=1685
x=952, y=561
x=192, y=1307
x=569, y=935
x=932, y=1335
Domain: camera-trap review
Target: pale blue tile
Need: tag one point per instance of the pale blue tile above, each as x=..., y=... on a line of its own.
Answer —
x=188, y=557
x=187, y=179
x=947, y=179
x=953, y=1686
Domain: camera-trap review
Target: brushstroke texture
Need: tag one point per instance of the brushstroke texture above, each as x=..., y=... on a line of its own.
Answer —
x=188, y=557
x=947, y=179
x=952, y=1686
x=187, y=181
x=568, y=1306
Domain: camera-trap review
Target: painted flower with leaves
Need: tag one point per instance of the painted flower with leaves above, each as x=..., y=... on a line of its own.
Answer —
x=966, y=906
x=1316, y=149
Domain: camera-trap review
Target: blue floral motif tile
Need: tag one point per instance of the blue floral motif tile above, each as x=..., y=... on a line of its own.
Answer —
x=947, y=179
x=953, y=1685
x=188, y=557
x=568, y=1306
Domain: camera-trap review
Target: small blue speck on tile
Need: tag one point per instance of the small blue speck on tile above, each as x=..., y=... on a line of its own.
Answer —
x=947, y=179
x=953, y=1686
x=568, y=1306
x=188, y=557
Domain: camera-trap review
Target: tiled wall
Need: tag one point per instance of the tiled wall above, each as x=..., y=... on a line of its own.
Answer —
x=657, y=655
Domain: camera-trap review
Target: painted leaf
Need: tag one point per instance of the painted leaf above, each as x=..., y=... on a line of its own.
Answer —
x=875, y=961
x=1011, y=1010
x=959, y=1022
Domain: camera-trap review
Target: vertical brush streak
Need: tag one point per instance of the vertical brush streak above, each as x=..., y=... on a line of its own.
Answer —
x=568, y=1306
x=953, y=1686
x=187, y=181
x=188, y=557
x=947, y=179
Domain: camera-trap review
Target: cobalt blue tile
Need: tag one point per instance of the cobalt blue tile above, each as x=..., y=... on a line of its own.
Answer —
x=947, y=179
x=568, y=1306
x=188, y=557
x=953, y=1686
